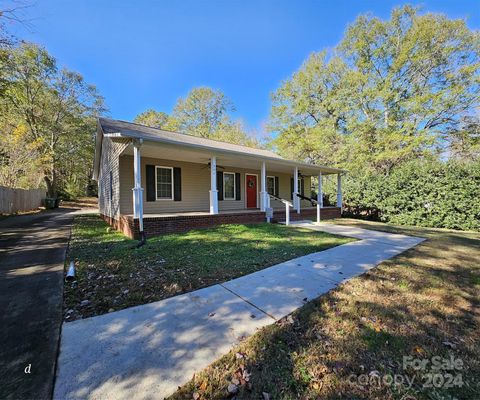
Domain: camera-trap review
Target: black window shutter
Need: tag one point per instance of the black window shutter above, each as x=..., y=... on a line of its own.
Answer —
x=302, y=187
x=150, y=179
x=277, y=187
x=220, y=185
x=291, y=188
x=238, y=194
x=177, y=184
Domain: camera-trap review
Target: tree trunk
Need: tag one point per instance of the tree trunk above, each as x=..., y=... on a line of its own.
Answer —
x=50, y=191
x=51, y=181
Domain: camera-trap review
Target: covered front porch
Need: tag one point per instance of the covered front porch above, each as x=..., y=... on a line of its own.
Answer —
x=177, y=188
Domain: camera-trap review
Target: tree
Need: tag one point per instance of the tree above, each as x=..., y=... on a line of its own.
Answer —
x=205, y=113
x=234, y=132
x=201, y=112
x=58, y=109
x=464, y=140
x=12, y=14
x=390, y=92
x=307, y=112
x=150, y=117
x=19, y=159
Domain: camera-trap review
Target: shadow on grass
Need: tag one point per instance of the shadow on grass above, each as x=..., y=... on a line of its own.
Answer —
x=365, y=328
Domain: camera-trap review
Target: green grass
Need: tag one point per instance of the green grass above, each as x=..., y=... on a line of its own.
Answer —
x=113, y=274
x=423, y=303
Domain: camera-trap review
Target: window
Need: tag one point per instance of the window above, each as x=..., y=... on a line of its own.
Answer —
x=164, y=180
x=229, y=186
x=271, y=185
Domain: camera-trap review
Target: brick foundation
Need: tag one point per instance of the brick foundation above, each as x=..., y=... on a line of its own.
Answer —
x=154, y=226
x=124, y=224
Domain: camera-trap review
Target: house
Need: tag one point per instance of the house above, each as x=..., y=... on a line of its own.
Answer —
x=153, y=181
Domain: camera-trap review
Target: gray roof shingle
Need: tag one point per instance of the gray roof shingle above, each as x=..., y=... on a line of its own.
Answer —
x=136, y=130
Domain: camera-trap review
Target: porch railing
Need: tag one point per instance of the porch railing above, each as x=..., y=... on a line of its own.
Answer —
x=287, y=203
x=313, y=202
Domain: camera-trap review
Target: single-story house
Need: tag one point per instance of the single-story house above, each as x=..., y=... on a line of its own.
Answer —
x=152, y=181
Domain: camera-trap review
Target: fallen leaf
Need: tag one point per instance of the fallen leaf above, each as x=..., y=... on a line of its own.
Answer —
x=203, y=386
x=419, y=350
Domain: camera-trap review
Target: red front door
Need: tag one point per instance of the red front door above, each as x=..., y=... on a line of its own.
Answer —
x=251, y=191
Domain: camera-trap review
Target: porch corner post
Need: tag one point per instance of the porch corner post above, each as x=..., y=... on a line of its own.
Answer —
x=296, y=200
x=339, y=191
x=213, y=186
x=263, y=192
x=137, y=189
x=287, y=214
x=319, y=196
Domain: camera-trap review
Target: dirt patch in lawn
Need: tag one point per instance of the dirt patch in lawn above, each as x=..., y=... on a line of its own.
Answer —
x=82, y=202
x=407, y=329
x=113, y=274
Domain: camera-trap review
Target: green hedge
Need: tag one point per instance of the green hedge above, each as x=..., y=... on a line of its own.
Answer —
x=423, y=193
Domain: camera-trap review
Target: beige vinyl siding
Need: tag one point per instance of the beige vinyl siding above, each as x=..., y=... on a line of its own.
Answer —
x=109, y=162
x=195, y=187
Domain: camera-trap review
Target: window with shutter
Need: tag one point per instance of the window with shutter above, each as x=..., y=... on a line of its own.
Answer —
x=229, y=186
x=164, y=183
x=271, y=185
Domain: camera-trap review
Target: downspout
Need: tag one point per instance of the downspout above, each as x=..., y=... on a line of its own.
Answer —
x=138, y=190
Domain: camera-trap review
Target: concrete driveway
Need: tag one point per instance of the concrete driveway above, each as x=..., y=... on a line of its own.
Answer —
x=32, y=251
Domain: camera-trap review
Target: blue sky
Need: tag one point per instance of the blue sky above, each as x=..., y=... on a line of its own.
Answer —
x=146, y=54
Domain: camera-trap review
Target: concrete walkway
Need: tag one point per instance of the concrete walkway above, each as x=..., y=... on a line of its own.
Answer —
x=32, y=251
x=148, y=351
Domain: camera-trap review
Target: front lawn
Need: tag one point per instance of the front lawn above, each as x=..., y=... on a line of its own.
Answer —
x=112, y=274
x=351, y=342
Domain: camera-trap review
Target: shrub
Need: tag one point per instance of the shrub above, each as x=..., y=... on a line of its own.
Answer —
x=423, y=193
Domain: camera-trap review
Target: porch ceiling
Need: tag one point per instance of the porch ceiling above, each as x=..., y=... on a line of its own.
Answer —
x=167, y=151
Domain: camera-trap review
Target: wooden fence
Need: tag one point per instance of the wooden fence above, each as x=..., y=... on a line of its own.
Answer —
x=15, y=200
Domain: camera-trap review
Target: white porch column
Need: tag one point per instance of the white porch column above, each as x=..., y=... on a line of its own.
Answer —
x=296, y=200
x=263, y=190
x=213, y=186
x=137, y=189
x=339, y=191
x=319, y=196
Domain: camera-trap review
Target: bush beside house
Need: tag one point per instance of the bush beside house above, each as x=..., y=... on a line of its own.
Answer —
x=423, y=193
